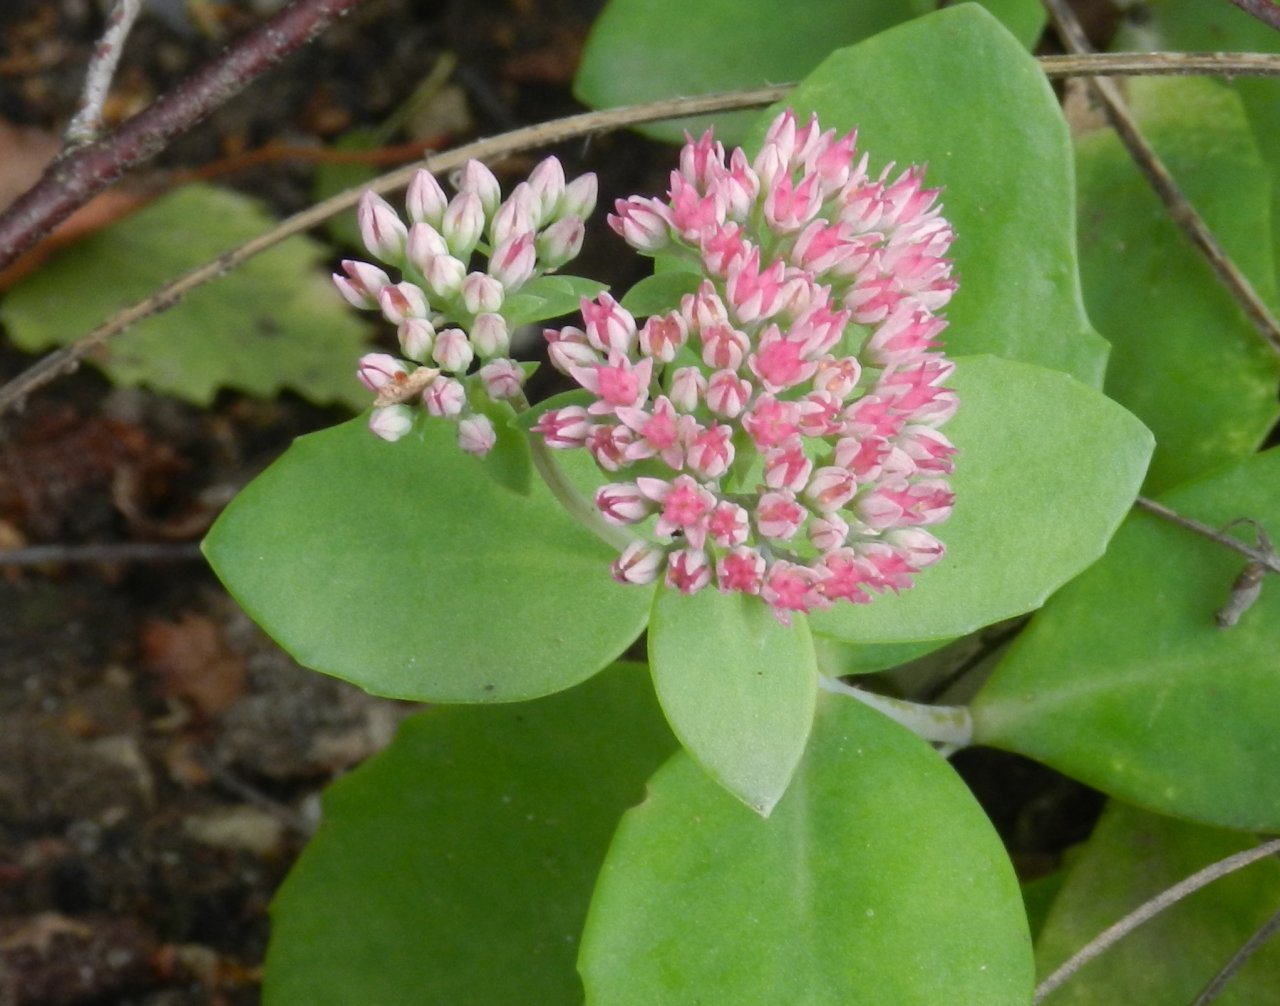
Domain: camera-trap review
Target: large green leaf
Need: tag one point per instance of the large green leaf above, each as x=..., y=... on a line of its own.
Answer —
x=877, y=880
x=405, y=569
x=1046, y=471
x=738, y=688
x=1184, y=357
x=1125, y=682
x=457, y=866
x=1132, y=857
x=643, y=50
x=1196, y=26
x=996, y=142
x=275, y=322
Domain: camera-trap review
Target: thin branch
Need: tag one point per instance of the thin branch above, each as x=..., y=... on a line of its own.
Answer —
x=1264, y=556
x=1161, y=64
x=80, y=174
x=86, y=124
x=1264, y=10
x=1183, y=213
x=1238, y=960
x=1165, y=899
x=123, y=551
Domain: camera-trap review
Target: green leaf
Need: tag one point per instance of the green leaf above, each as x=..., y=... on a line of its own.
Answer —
x=660, y=293
x=1046, y=470
x=1132, y=857
x=404, y=569
x=1125, y=682
x=546, y=297
x=273, y=323
x=737, y=687
x=457, y=866
x=877, y=880
x=1184, y=358
x=996, y=143
x=633, y=55
x=508, y=463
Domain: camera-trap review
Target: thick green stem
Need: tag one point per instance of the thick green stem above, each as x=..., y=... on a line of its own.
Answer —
x=951, y=726
x=579, y=507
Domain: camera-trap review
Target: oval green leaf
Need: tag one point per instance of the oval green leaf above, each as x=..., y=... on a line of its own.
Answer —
x=406, y=570
x=1131, y=857
x=633, y=55
x=1125, y=682
x=995, y=141
x=457, y=866
x=737, y=687
x=877, y=880
x=1046, y=471
x=661, y=292
x=1184, y=357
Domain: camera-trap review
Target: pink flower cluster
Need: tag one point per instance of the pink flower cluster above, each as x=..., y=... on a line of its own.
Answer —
x=781, y=426
x=454, y=338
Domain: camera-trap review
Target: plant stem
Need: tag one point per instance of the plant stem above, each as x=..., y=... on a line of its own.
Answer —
x=86, y=124
x=579, y=507
x=949, y=725
x=1264, y=10
x=1264, y=556
x=1218, y=983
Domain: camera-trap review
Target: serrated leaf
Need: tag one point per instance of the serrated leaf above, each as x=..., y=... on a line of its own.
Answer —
x=1184, y=357
x=1131, y=857
x=633, y=55
x=274, y=323
x=660, y=293
x=877, y=880
x=737, y=688
x=1046, y=470
x=997, y=145
x=1179, y=716
x=457, y=866
x=546, y=297
x=406, y=570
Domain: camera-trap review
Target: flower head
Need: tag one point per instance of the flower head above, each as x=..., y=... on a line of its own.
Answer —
x=784, y=418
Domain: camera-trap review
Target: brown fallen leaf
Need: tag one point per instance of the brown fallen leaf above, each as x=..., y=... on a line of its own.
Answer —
x=193, y=663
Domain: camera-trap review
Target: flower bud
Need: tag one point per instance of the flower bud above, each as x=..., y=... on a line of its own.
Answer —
x=622, y=503
x=416, y=335
x=640, y=563
x=481, y=294
x=502, y=379
x=477, y=179
x=610, y=326
x=644, y=224
x=463, y=224
x=513, y=261
x=547, y=183
x=564, y=428
x=687, y=387
x=688, y=570
x=517, y=215
x=425, y=243
x=453, y=350
x=568, y=347
x=402, y=300
x=426, y=200
x=391, y=422
x=476, y=435
x=444, y=275
x=580, y=196
x=662, y=336
x=378, y=370
x=381, y=230
x=490, y=336
x=444, y=397
x=561, y=242
x=361, y=283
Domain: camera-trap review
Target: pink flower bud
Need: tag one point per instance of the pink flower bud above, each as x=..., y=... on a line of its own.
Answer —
x=778, y=515
x=711, y=452
x=402, y=300
x=742, y=570
x=463, y=224
x=381, y=230
x=564, y=428
x=502, y=379
x=453, y=350
x=416, y=336
x=444, y=275
x=610, y=327
x=561, y=242
x=727, y=394
x=580, y=196
x=481, y=294
x=688, y=570
x=608, y=445
x=728, y=524
x=687, y=388
x=918, y=547
x=724, y=347
x=489, y=335
x=568, y=348
x=477, y=179
x=425, y=243
x=787, y=466
x=444, y=397
x=838, y=376
x=640, y=563
x=517, y=215
x=622, y=503
x=645, y=224
x=790, y=587
x=663, y=335
x=391, y=422
x=361, y=283
x=547, y=183
x=514, y=260
x=828, y=532
x=831, y=488
x=426, y=200
x=378, y=370
x=476, y=435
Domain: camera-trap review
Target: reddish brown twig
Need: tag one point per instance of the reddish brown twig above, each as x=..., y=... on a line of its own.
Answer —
x=80, y=174
x=1264, y=10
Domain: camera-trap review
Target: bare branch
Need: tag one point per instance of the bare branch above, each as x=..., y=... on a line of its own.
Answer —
x=1263, y=555
x=122, y=551
x=1165, y=899
x=1264, y=10
x=87, y=122
x=1238, y=960
x=1183, y=213
x=80, y=174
